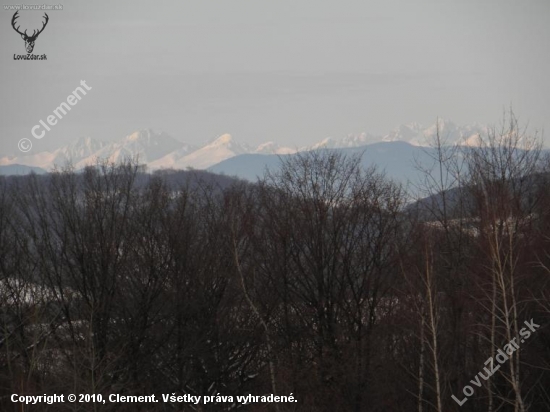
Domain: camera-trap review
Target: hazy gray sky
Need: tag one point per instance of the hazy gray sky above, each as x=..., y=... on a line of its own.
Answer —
x=293, y=71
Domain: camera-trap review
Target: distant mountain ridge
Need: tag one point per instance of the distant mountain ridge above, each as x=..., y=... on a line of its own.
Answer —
x=159, y=150
x=396, y=159
x=19, y=170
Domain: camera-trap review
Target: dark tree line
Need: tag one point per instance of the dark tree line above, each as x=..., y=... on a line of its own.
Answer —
x=323, y=280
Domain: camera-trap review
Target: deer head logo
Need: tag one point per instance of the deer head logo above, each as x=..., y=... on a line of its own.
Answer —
x=29, y=40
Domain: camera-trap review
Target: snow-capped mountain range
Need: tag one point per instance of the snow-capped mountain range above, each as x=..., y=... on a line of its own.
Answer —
x=160, y=151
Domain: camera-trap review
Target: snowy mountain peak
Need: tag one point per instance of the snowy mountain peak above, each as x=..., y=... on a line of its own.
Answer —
x=273, y=148
x=84, y=141
x=137, y=135
x=327, y=142
x=351, y=140
x=226, y=142
x=82, y=147
x=224, y=139
x=267, y=146
x=148, y=136
x=414, y=126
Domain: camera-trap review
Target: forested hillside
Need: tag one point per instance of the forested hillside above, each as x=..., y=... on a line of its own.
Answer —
x=320, y=281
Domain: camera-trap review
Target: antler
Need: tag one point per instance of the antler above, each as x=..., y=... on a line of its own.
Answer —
x=15, y=16
x=35, y=33
x=43, y=26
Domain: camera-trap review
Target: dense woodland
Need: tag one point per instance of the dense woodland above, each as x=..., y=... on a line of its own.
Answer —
x=323, y=280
